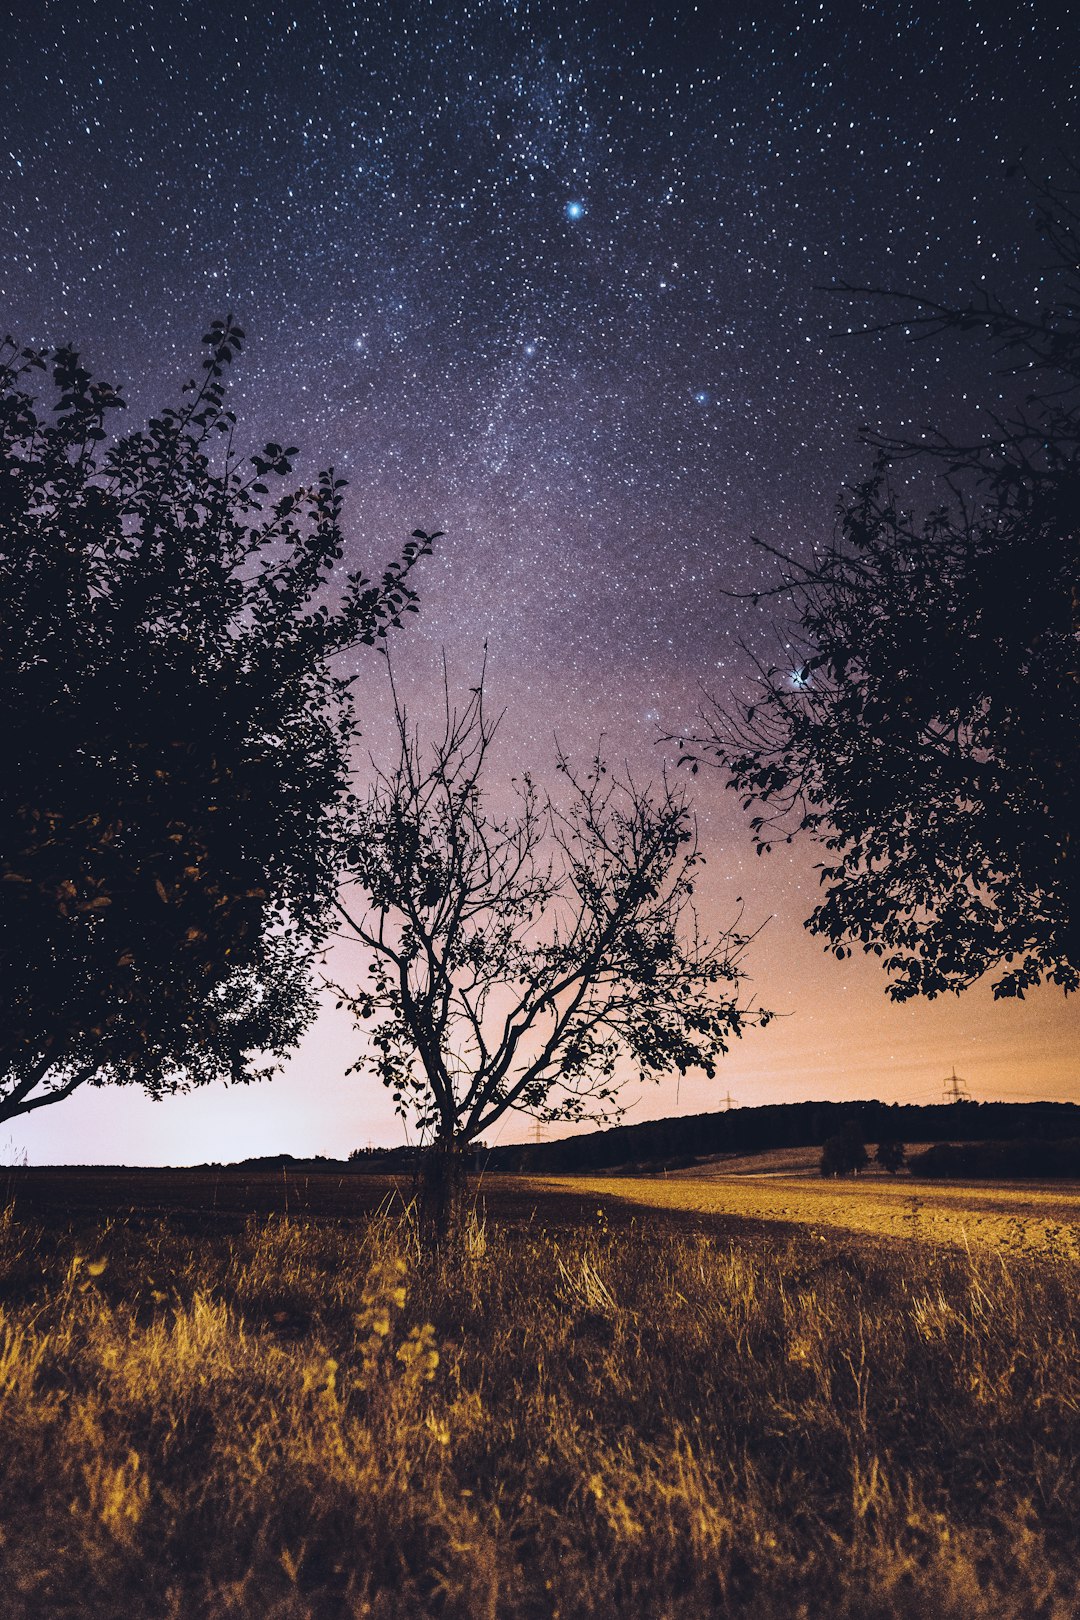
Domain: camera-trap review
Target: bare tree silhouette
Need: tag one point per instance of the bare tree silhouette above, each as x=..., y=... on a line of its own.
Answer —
x=527, y=960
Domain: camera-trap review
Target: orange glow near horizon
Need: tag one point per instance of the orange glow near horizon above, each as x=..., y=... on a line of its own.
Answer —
x=839, y=1037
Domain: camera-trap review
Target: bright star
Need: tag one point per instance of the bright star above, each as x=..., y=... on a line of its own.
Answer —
x=574, y=210
x=701, y=398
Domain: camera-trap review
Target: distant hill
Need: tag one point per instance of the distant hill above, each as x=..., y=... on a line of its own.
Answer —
x=677, y=1143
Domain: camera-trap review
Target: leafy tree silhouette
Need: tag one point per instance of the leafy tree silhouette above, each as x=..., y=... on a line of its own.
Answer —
x=530, y=959
x=173, y=737
x=844, y=1153
x=891, y=1156
x=925, y=730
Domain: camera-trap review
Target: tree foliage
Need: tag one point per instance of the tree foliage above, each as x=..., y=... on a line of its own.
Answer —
x=890, y=1155
x=527, y=958
x=844, y=1154
x=172, y=733
x=924, y=730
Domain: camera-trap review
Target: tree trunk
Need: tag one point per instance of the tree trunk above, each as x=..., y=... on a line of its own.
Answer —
x=443, y=1192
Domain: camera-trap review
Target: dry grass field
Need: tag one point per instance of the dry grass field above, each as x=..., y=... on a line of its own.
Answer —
x=595, y=1412
x=731, y=1197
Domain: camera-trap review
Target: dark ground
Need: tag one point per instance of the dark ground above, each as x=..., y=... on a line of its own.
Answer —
x=221, y=1201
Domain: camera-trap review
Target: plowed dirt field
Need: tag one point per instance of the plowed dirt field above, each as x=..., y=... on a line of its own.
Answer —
x=1014, y=1217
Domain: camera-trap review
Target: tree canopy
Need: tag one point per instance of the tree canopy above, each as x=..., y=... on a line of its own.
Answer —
x=844, y=1154
x=174, y=734
x=891, y=1155
x=923, y=726
x=527, y=958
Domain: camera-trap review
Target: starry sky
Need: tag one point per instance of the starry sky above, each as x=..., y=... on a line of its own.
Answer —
x=551, y=278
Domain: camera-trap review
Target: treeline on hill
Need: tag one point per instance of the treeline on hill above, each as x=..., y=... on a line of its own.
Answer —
x=676, y=1143
x=969, y=1139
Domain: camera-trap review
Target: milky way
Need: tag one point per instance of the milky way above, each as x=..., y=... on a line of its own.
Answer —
x=552, y=279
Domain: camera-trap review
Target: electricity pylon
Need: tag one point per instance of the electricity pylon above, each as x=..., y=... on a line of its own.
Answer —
x=955, y=1089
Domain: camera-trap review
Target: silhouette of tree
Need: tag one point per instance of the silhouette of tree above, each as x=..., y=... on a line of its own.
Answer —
x=529, y=959
x=924, y=730
x=173, y=738
x=845, y=1153
x=891, y=1156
